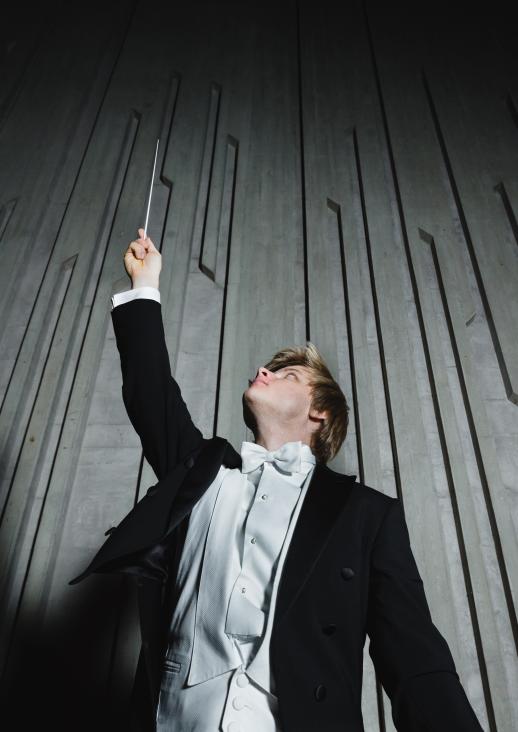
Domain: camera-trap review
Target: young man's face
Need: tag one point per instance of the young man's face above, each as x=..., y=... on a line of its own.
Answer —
x=283, y=395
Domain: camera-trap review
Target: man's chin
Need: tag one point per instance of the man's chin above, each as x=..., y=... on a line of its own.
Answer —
x=254, y=392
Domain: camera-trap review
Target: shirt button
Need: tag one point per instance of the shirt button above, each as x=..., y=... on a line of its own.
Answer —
x=234, y=727
x=253, y=540
x=264, y=496
x=243, y=590
x=242, y=680
x=238, y=703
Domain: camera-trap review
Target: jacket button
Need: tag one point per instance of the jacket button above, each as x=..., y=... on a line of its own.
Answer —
x=320, y=692
x=329, y=629
x=189, y=462
x=347, y=572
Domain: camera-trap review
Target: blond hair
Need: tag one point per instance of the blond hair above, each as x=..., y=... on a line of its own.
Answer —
x=326, y=396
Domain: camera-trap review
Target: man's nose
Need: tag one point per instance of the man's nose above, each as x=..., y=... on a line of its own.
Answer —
x=262, y=371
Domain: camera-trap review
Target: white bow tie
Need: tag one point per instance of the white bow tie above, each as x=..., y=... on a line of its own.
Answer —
x=288, y=458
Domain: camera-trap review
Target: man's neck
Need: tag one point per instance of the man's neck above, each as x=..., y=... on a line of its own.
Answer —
x=272, y=441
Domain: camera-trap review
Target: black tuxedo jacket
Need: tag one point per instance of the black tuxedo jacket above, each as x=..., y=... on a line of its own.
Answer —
x=349, y=570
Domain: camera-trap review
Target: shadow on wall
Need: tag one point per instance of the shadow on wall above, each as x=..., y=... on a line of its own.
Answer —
x=61, y=678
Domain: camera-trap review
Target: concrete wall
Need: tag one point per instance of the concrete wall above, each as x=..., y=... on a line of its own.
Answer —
x=344, y=174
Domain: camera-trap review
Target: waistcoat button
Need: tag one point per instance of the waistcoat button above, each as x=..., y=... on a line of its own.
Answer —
x=347, y=572
x=320, y=692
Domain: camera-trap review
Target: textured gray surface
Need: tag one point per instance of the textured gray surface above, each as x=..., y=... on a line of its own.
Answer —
x=347, y=177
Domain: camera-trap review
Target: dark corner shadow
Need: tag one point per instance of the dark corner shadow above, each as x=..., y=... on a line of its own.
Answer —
x=61, y=678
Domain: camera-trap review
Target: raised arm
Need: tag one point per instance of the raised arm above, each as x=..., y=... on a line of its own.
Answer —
x=151, y=396
x=411, y=657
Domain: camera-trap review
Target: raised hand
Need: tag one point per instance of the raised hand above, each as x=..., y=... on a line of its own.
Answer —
x=143, y=262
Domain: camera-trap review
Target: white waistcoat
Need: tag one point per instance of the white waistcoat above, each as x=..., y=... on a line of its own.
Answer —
x=236, y=543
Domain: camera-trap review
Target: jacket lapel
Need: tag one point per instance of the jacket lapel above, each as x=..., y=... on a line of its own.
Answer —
x=199, y=478
x=326, y=497
x=145, y=530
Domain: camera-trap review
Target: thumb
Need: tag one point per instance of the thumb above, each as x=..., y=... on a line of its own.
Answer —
x=146, y=242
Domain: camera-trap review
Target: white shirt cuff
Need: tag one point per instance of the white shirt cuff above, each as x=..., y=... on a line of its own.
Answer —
x=151, y=293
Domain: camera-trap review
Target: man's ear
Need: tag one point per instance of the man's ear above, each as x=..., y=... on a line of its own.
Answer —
x=316, y=415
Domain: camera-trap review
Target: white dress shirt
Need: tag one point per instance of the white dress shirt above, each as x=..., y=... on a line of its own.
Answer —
x=216, y=675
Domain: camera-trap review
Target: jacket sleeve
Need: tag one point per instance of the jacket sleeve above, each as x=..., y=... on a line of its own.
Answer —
x=411, y=657
x=152, y=397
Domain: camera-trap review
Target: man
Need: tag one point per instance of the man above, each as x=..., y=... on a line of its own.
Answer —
x=259, y=574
